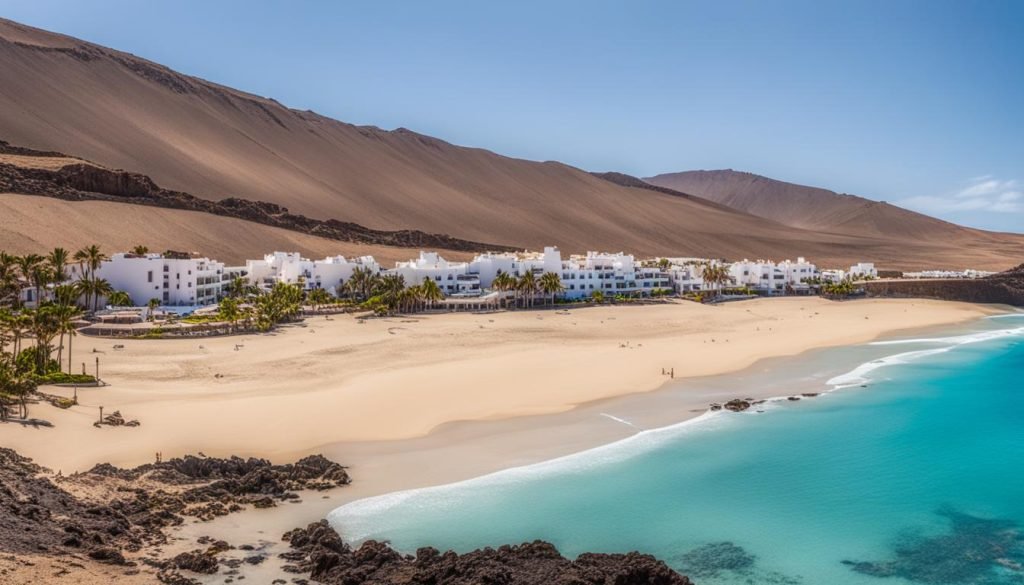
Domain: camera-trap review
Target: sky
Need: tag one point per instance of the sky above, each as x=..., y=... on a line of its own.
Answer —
x=917, y=103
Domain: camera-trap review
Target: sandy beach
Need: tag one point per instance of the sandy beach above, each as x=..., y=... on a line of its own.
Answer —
x=341, y=380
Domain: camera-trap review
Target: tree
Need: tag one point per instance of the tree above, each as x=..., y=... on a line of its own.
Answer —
x=65, y=314
x=551, y=284
x=430, y=292
x=119, y=298
x=100, y=288
x=503, y=282
x=58, y=260
x=230, y=310
x=664, y=264
x=715, y=275
x=33, y=271
x=89, y=260
x=362, y=283
x=528, y=287
x=152, y=306
x=318, y=297
x=140, y=250
x=241, y=288
x=10, y=286
x=597, y=296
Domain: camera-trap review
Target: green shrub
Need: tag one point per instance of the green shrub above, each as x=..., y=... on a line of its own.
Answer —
x=64, y=378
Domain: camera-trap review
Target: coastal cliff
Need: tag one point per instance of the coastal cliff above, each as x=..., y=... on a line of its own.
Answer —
x=1005, y=288
x=113, y=522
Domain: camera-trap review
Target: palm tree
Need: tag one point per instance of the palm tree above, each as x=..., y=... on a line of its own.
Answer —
x=318, y=297
x=32, y=271
x=229, y=310
x=100, y=288
x=119, y=298
x=240, y=287
x=10, y=287
x=362, y=283
x=503, y=282
x=65, y=316
x=597, y=296
x=152, y=305
x=715, y=275
x=58, y=260
x=551, y=284
x=430, y=292
x=89, y=260
x=140, y=250
x=528, y=286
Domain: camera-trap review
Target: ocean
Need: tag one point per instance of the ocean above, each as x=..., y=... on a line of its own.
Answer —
x=908, y=468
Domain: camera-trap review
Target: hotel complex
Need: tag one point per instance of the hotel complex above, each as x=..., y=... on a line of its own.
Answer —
x=181, y=280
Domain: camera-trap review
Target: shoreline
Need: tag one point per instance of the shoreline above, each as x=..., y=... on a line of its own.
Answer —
x=460, y=451
x=288, y=394
x=486, y=448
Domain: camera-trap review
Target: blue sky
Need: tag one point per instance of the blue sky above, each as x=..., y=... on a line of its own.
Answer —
x=917, y=103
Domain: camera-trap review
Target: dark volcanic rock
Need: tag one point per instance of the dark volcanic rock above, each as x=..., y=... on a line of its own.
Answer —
x=37, y=515
x=319, y=551
x=197, y=561
x=737, y=405
x=79, y=182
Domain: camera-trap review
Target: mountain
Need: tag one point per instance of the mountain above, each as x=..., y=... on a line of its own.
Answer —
x=809, y=207
x=215, y=143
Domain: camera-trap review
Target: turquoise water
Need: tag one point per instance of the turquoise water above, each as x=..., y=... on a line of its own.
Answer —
x=910, y=473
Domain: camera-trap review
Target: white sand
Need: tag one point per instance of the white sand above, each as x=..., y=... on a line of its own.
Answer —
x=293, y=392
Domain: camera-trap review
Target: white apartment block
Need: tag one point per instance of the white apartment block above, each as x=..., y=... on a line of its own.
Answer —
x=173, y=279
x=290, y=267
x=863, y=270
x=612, y=274
x=453, y=278
x=768, y=277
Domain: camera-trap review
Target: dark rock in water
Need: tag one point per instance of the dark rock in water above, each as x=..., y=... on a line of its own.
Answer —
x=737, y=405
x=710, y=560
x=793, y=398
x=809, y=394
x=716, y=406
x=976, y=551
x=330, y=561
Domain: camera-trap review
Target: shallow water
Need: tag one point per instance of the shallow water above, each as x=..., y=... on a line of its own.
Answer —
x=910, y=473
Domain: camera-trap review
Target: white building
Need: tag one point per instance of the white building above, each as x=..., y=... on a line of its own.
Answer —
x=833, y=275
x=174, y=279
x=768, y=277
x=612, y=274
x=966, y=274
x=453, y=278
x=291, y=268
x=863, y=270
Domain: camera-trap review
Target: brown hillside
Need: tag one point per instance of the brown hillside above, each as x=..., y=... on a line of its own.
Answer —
x=215, y=142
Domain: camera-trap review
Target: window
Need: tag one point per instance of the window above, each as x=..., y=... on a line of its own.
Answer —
x=149, y=276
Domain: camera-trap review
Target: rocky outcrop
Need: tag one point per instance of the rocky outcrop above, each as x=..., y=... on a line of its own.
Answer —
x=1005, y=288
x=320, y=552
x=38, y=517
x=85, y=181
x=737, y=405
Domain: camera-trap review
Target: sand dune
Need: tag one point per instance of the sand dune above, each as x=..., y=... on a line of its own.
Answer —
x=122, y=111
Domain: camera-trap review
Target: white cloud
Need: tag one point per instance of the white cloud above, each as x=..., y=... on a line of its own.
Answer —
x=981, y=194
